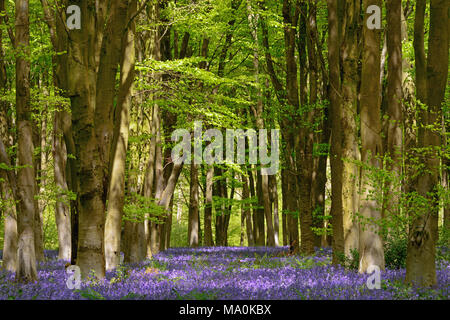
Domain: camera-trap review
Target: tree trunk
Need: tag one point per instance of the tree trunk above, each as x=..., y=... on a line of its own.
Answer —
x=193, y=226
x=62, y=210
x=116, y=194
x=246, y=213
x=219, y=191
x=26, y=184
x=208, y=207
x=274, y=200
x=251, y=184
x=63, y=144
x=284, y=214
x=265, y=193
x=350, y=152
x=419, y=51
x=420, y=261
x=335, y=21
x=9, y=256
x=371, y=244
x=394, y=134
x=322, y=142
x=7, y=192
x=291, y=134
x=152, y=177
x=37, y=132
x=82, y=67
x=260, y=211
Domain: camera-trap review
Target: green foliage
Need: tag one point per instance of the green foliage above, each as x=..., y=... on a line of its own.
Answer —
x=91, y=294
x=351, y=262
x=122, y=273
x=138, y=208
x=395, y=252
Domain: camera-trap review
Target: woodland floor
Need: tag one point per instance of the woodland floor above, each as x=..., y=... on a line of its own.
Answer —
x=224, y=273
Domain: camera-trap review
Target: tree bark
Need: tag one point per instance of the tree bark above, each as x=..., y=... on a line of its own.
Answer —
x=208, y=207
x=335, y=20
x=284, y=214
x=350, y=151
x=273, y=188
x=420, y=261
x=7, y=191
x=265, y=192
x=193, y=227
x=26, y=185
x=394, y=134
x=62, y=210
x=82, y=66
x=116, y=194
x=246, y=213
x=419, y=51
x=371, y=244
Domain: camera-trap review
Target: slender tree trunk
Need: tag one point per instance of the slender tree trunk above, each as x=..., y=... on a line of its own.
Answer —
x=321, y=141
x=193, y=226
x=208, y=207
x=6, y=190
x=274, y=200
x=62, y=209
x=218, y=192
x=116, y=194
x=260, y=211
x=394, y=146
x=284, y=215
x=265, y=193
x=291, y=135
x=155, y=228
x=10, y=230
x=26, y=187
x=419, y=51
x=350, y=151
x=37, y=161
x=7, y=194
x=251, y=183
x=246, y=213
x=421, y=257
x=65, y=167
x=334, y=40
x=371, y=244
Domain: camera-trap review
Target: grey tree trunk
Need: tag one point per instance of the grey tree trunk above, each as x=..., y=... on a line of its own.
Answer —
x=394, y=146
x=193, y=221
x=208, y=207
x=371, y=244
x=116, y=194
x=62, y=210
x=420, y=261
x=350, y=150
x=7, y=191
x=26, y=184
x=334, y=41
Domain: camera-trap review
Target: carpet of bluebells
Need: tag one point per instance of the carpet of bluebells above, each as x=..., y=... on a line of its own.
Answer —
x=223, y=273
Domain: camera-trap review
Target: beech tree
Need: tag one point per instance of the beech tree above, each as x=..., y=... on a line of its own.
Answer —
x=370, y=242
x=26, y=187
x=420, y=263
